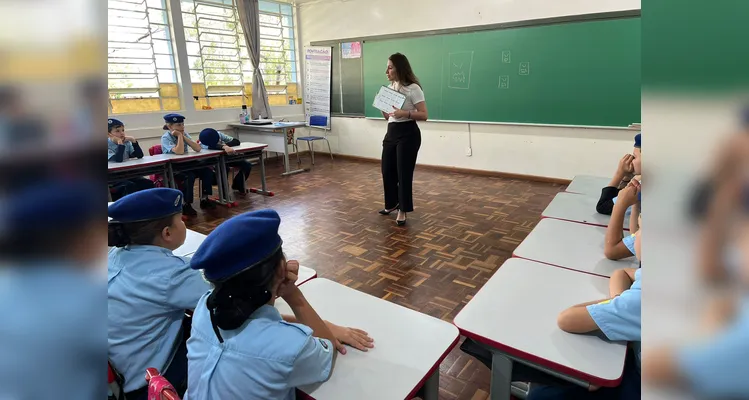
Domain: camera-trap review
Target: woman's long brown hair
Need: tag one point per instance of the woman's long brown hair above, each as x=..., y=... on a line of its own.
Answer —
x=403, y=70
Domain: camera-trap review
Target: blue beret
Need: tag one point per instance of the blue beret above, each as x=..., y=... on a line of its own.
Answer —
x=146, y=205
x=114, y=123
x=52, y=205
x=638, y=140
x=238, y=244
x=174, y=118
x=209, y=137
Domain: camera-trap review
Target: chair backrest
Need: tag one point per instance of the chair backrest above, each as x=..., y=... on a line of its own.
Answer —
x=114, y=382
x=158, y=387
x=320, y=121
x=155, y=149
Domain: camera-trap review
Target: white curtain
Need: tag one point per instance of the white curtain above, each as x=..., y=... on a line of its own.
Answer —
x=249, y=17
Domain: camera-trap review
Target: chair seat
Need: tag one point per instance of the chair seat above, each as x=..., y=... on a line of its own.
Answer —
x=309, y=138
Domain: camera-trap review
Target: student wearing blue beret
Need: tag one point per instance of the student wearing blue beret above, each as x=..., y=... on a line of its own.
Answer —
x=122, y=148
x=51, y=241
x=176, y=141
x=241, y=347
x=215, y=140
x=625, y=171
x=149, y=289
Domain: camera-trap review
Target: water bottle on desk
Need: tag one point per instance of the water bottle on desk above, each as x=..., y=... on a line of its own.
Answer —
x=244, y=117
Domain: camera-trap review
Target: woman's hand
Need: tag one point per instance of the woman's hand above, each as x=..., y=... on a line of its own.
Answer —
x=353, y=337
x=398, y=113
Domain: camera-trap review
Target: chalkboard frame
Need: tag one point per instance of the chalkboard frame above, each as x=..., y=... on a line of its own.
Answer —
x=336, y=43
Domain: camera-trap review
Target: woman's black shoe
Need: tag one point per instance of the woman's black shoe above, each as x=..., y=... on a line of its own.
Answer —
x=385, y=211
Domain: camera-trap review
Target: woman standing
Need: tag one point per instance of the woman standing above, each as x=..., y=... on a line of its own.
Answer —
x=403, y=139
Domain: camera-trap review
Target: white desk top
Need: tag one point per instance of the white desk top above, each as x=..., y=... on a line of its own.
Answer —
x=249, y=146
x=192, y=242
x=588, y=185
x=516, y=312
x=305, y=274
x=138, y=162
x=570, y=245
x=578, y=208
x=275, y=125
x=191, y=155
x=409, y=345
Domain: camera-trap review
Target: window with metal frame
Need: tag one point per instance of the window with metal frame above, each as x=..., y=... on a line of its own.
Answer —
x=141, y=67
x=220, y=68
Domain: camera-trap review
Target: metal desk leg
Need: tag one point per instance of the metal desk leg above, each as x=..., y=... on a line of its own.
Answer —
x=264, y=189
x=169, y=174
x=224, y=182
x=431, y=387
x=286, y=157
x=501, y=383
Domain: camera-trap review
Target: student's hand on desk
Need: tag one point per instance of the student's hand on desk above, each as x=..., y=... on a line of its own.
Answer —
x=229, y=149
x=353, y=337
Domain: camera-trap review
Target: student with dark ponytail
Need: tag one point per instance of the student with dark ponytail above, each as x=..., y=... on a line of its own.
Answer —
x=241, y=347
x=149, y=289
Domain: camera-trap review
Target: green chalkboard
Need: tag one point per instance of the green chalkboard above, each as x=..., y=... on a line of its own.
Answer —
x=576, y=73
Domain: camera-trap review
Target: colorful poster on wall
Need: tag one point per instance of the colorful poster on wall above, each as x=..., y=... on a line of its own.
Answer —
x=317, y=80
x=351, y=50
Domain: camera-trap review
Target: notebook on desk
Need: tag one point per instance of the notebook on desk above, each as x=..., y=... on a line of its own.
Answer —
x=260, y=122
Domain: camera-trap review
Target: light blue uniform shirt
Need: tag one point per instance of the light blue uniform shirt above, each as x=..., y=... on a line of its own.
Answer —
x=629, y=241
x=265, y=358
x=112, y=149
x=619, y=318
x=169, y=142
x=52, y=340
x=222, y=139
x=149, y=290
x=719, y=367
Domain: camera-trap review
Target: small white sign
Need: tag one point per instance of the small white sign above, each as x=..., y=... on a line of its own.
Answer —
x=525, y=68
x=504, y=82
x=506, y=57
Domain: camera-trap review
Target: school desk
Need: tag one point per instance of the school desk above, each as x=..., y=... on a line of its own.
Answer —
x=193, y=240
x=409, y=346
x=570, y=245
x=196, y=160
x=578, y=208
x=588, y=185
x=275, y=135
x=514, y=315
x=137, y=167
x=242, y=152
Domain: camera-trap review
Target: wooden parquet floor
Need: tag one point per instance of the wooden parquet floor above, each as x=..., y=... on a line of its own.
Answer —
x=463, y=228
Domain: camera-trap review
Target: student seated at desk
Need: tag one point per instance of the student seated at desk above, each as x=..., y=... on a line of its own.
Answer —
x=617, y=244
x=241, y=347
x=717, y=365
x=215, y=140
x=624, y=173
x=149, y=289
x=176, y=141
x=618, y=318
x=122, y=148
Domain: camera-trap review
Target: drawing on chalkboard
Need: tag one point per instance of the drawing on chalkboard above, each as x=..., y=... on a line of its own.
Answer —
x=460, y=70
x=504, y=82
x=506, y=56
x=525, y=68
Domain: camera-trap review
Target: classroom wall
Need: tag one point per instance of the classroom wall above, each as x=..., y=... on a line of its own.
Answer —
x=556, y=152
